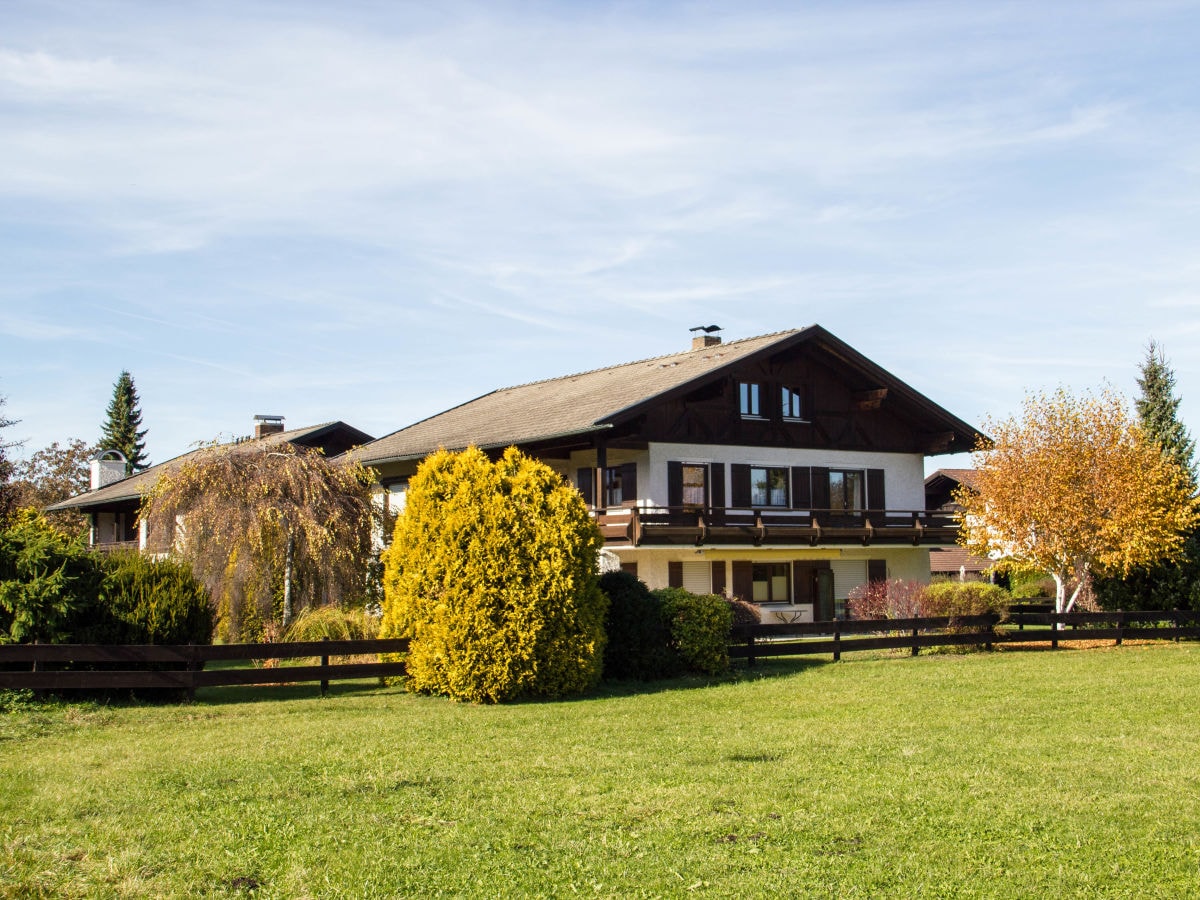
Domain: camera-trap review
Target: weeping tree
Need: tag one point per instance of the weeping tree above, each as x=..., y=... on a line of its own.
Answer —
x=270, y=529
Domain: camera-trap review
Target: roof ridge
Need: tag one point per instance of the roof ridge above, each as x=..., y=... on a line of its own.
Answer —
x=638, y=362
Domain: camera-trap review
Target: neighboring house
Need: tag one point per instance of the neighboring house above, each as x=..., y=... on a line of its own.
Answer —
x=784, y=469
x=113, y=502
x=952, y=562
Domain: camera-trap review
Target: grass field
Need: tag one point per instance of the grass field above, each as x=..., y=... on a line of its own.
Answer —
x=1068, y=773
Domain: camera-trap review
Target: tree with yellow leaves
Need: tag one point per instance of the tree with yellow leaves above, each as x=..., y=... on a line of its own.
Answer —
x=1075, y=488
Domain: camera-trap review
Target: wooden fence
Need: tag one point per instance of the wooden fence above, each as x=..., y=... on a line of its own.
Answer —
x=751, y=642
x=44, y=667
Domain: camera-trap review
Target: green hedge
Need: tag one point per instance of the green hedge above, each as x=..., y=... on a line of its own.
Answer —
x=699, y=625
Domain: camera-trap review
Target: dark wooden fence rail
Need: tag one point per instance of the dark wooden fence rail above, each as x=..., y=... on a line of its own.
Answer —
x=751, y=642
x=181, y=667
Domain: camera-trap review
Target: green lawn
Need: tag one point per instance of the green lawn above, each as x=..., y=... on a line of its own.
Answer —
x=1024, y=774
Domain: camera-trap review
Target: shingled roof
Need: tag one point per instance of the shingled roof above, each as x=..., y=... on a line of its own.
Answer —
x=138, y=484
x=596, y=400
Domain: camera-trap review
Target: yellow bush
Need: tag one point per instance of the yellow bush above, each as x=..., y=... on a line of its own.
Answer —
x=492, y=576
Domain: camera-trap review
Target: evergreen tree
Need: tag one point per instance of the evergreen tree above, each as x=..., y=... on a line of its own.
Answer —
x=1158, y=409
x=120, y=432
x=1173, y=584
x=8, y=491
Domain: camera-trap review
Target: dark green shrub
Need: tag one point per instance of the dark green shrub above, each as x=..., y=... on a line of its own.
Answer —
x=744, y=612
x=639, y=641
x=150, y=601
x=49, y=583
x=699, y=626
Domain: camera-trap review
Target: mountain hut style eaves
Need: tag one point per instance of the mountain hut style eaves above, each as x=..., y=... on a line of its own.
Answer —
x=586, y=405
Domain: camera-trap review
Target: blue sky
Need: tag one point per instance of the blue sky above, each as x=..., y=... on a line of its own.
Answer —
x=373, y=211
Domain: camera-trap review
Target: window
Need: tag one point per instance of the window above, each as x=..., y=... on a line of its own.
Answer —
x=768, y=486
x=845, y=490
x=770, y=583
x=792, y=408
x=749, y=396
x=614, y=486
x=694, y=487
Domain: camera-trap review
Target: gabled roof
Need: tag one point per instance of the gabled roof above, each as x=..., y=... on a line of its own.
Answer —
x=948, y=479
x=135, y=486
x=601, y=398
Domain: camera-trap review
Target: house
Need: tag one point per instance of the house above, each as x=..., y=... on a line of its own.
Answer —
x=785, y=469
x=952, y=562
x=113, y=501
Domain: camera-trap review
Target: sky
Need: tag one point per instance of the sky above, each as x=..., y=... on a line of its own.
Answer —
x=373, y=211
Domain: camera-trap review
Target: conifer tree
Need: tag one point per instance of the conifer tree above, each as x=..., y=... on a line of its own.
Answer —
x=8, y=491
x=120, y=431
x=1158, y=409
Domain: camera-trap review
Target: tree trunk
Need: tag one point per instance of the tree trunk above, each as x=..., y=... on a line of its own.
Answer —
x=287, y=584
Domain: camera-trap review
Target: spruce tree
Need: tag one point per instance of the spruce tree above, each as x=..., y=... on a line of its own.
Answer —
x=120, y=432
x=1176, y=584
x=8, y=490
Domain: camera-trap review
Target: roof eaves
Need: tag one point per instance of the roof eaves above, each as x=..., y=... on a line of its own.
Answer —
x=492, y=445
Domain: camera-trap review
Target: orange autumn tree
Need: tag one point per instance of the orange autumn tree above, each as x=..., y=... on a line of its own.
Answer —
x=1073, y=487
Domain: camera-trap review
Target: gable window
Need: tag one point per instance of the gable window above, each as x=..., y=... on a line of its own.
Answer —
x=845, y=490
x=770, y=583
x=750, y=400
x=695, y=479
x=792, y=407
x=768, y=486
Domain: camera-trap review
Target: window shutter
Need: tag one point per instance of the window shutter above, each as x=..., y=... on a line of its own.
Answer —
x=587, y=485
x=875, y=495
x=674, y=483
x=629, y=491
x=716, y=486
x=743, y=580
x=630, y=567
x=675, y=574
x=802, y=487
x=876, y=570
x=802, y=582
x=718, y=576
x=739, y=482
x=820, y=488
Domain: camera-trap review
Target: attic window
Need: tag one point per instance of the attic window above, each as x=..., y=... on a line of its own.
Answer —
x=750, y=400
x=792, y=407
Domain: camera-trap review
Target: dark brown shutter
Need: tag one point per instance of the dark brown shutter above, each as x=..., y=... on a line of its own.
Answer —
x=629, y=490
x=802, y=487
x=743, y=579
x=820, y=488
x=739, y=483
x=718, y=576
x=716, y=486
x=587, y=485
x=675, y=574
x=630, y=567
x=875, y=495
x=802, y=582
x=876, y=570
x=674, y=483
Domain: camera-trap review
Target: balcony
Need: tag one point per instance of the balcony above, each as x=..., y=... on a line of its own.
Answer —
x=681, y=526
x=114, y=546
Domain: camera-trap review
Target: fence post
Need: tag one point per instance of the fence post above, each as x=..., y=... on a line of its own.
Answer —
x=1055, y=624
x=191, y=672
x=915, y=648
x=750, y=648
x=325, y=665
x=1175, y=618
x=990, y=632
x=837, y=640
x=1120, y=626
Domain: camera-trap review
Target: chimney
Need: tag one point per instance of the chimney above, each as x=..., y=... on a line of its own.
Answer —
x=107, y=466
x=704, y=336
x=264, y=425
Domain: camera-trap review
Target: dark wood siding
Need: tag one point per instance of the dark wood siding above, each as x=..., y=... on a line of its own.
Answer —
x=743, y=579
x=716, y=485
x=718, y=576
x=630, y=567
x=675, y=574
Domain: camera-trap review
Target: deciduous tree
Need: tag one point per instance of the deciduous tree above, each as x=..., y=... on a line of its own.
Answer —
x=269, y=528
x=121, y=427
x=492, y=575
x=1075, y=488
x=53, y=474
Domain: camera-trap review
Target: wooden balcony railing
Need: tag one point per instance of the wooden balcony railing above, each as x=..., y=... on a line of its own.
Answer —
x=641, y=526
x=115, y=546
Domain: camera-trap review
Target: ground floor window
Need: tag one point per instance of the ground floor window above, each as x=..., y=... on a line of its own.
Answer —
x=770, y=583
